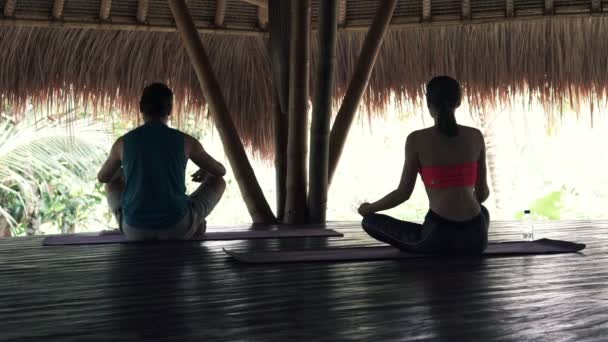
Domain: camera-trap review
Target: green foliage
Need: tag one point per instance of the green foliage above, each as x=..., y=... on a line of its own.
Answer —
x=67, y=203
x=31, y=158
x=547, y=207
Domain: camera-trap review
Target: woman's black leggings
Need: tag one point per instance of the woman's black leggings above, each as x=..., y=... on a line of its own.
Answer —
x=435, y=235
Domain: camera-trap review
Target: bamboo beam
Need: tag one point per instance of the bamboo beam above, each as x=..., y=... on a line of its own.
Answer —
x=509, y=8
x=321, y=114
x=142, y=11
x=250, y=189
x=549, y=7
x=220, y=12
x=279, y=12
x=105, y=7
x=596, y=6
x=426, y=10
x=259, y=3
x=58, y=9
x=342, y=13
x=9, y=8
x=299, y=61
x=466, y=10
x=263, y=17
x=359, y=81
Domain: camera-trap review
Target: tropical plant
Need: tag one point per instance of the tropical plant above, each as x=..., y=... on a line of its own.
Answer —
x=32, y=155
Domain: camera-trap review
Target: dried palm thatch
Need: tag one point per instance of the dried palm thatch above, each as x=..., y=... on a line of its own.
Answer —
x=555, y=61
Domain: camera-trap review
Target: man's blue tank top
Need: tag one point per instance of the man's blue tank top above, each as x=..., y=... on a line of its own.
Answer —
x=154, y=164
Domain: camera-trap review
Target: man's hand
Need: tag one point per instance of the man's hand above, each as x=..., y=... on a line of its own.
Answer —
x=200, y=175
x=365, y=209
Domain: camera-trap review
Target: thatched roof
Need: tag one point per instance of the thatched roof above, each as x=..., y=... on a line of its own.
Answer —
x=78, y=58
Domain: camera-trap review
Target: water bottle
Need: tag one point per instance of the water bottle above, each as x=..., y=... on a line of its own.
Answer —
x=528, y=226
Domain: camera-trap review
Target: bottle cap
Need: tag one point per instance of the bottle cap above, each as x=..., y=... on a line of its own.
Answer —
x=526, y=211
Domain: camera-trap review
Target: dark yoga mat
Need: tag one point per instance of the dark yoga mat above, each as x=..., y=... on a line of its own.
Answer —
x=111, y=237
x=543, y=246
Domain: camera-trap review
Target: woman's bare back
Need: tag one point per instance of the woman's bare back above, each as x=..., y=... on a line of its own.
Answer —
x=435, y=149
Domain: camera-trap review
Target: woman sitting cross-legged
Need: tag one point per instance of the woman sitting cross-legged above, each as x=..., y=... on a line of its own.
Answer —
x=451, y=161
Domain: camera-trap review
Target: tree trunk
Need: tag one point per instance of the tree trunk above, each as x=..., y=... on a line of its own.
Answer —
x=358, y=84
x=279, y=28
x=321, y=115
x=493, y=167
x=250, y=189
x=295, y=204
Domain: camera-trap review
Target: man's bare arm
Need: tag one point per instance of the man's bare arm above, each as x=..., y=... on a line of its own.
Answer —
x=202, y=159
x=111, y=167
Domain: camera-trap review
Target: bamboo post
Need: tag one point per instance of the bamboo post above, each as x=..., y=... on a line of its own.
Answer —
x=279, y=28
x=426, y=10
x=220, y=12
x=142, y=11
x=509, y=8
x=299, y=60
x=9, y=8
x=259, y=3
x=250, y=189
x=321, y=115
x=262, y=17
x=58, y=9
x=358, y=83
x=342, y=13
x=104, y=9
x=549, y=7
x=466, y=10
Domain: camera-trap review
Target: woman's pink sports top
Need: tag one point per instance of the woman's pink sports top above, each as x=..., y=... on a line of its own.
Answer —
x=449, y=176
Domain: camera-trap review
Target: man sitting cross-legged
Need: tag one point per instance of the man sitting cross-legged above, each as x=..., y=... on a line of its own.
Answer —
x=145, y=176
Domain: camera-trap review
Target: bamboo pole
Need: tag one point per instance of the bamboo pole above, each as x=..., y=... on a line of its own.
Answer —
x=299, y=61
x=342, y=13
x=142, y=11
x=105, y=8
x=280, y=157
x=321, y=115
x=262, y=17
x=259, y=3
x=279, y=20
x=358, y=83
x=549, y=7
x=509, y=8
x=426, y=10
x=9, y=8
x=466, y=10
x=250, y=189
x=220, y=12
x=58, y=9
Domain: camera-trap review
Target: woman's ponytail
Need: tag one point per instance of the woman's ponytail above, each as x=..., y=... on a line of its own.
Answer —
x=444, y=93
x=446, y=122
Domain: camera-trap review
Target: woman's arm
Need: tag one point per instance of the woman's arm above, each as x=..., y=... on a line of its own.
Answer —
x=406, y=184
x=482, y=191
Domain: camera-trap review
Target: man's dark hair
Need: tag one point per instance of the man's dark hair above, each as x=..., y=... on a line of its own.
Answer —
x=156, y=100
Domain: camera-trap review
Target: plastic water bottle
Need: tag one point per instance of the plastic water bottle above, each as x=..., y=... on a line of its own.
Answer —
x=528, y=226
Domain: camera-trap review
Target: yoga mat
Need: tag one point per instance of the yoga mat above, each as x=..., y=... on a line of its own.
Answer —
x=110, y=237
x=543, y=246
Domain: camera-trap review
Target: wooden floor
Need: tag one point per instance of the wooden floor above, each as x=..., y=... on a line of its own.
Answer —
x=194, y=292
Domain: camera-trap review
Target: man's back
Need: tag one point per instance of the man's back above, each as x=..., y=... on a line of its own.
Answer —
x=154, y=165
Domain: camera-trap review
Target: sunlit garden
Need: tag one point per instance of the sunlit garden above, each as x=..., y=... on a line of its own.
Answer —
x=554, y=167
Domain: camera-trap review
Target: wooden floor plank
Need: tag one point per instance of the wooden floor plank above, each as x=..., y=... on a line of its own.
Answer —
x=194, y=292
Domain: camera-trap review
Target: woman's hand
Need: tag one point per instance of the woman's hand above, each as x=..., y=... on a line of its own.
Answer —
x=365, y=209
